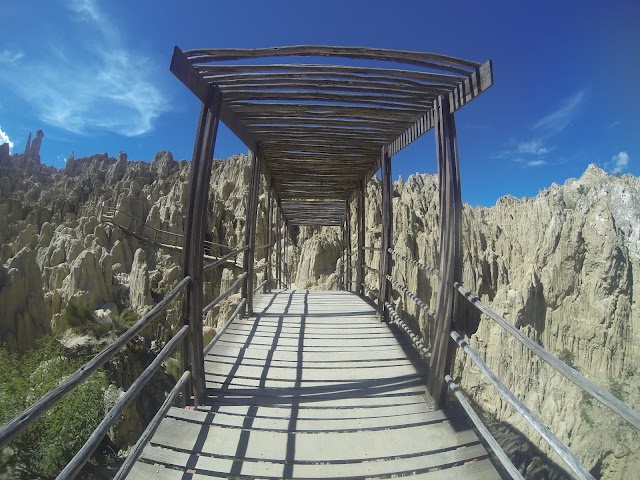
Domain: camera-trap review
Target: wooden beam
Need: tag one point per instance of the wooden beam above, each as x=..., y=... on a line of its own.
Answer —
x=450, y=249
x=472, y=86
x=259, y=70
x=193, y=243
x=387, y=233
x=361, y=226
x=421, y=59
x=182, y=68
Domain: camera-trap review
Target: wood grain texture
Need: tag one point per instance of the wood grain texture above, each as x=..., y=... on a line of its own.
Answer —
x=450, y=250
x=293, y=398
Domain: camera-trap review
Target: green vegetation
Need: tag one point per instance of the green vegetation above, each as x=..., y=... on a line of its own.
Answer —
x=82, y=320
x=45, y=447
x=616, y=387
x=567, y=357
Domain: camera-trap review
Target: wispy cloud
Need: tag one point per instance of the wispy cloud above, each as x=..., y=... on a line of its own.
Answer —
x=533, y=147
x=10, y=57
x=615, y=124
x=559, y=119
x=534, y=152
x=618, y=163
x=97, y=85
x=4, y=138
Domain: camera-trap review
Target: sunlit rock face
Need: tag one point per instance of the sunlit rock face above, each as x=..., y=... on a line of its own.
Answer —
x=560, y=266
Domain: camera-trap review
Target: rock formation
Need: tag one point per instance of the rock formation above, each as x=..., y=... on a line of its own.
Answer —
x=560, y=266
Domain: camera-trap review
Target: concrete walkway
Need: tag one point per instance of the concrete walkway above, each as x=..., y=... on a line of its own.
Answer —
x=314, y=386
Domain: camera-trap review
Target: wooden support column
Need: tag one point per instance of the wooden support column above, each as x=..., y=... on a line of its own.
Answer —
x=360, y=215
x=278, y=247
x=450, y=248
x=387, y=232
x=269, y=238
x=349, y=253
x=342, y=286
x=251, y=228
x=193, y=242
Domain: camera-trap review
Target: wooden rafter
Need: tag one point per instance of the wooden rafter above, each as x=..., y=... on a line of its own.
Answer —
x=321, y=127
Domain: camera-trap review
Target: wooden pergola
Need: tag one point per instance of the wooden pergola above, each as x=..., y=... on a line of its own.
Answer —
x=319, y=132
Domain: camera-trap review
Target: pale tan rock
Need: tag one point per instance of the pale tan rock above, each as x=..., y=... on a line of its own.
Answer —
x=23, y=315
x=139, y=283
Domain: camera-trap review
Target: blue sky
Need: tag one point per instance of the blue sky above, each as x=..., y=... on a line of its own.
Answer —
x=94, y=76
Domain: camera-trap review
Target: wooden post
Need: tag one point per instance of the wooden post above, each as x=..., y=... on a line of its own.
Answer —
x=278, y=247
x=387, y=232
x=450, y=248
x=193, y=242
x=361, y=215
x=341, y=286
x=251, y=227
x=269, y=238
x=348, y=255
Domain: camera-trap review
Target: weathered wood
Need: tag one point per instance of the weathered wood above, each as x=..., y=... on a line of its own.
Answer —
x=225, y=294
x=210, y=70
x=136, y=450
x=387, y=232
x=484, y=431
x=80, y=458
x=563, y=452
x=450, y=215
x=476, y=83
x=361, y=231
x=251, y=227
x=597, y=392
x=421, y=59
x=21, y=421
x=347, y=220
x=223, y=259
x=190, y=77
x=270, y=239
x=412, y=296
x=193, y=246
x=226, y=325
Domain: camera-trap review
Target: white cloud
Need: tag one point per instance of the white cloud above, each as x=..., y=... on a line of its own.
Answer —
x=615, y=124
x=559, y=119
x=90, y=85
x=533, y=147
x=4, y=138
x=535, y=163
x=10, y=57
x=618, y=163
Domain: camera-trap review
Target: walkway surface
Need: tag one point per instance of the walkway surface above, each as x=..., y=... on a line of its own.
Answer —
x=314, y=386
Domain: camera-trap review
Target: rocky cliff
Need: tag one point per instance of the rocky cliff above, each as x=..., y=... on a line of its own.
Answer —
x=559, y=266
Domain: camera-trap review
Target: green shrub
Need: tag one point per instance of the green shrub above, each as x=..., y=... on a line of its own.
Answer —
x=46, y=446
x=125, y=320
x=616, y=387
x=567, y=357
